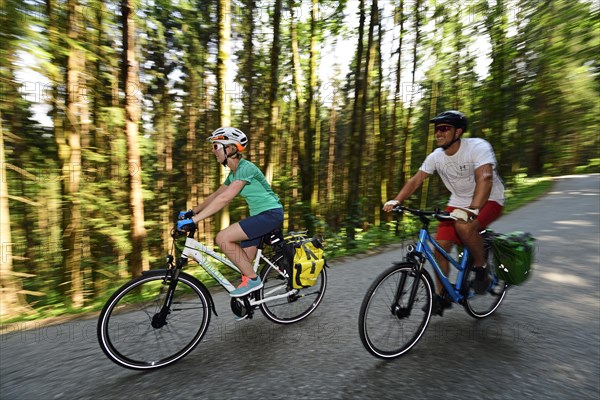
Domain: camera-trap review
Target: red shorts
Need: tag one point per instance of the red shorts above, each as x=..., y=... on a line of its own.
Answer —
x=490, y=212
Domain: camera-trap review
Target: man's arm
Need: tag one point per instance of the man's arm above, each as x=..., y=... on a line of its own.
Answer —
x=408, y=189
x=484, y=177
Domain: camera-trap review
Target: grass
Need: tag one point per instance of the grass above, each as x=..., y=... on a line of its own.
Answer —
x=524, y=190
x=520, y=191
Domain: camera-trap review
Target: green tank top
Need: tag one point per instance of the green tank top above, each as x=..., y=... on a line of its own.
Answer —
x=257, y=192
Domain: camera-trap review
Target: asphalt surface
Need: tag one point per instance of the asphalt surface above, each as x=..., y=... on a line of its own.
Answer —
x=542, y=343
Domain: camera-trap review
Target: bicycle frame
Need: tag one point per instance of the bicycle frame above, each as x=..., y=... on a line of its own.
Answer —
x=198, y=251
x=424, y=249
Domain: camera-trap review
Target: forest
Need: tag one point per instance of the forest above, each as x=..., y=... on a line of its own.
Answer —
x=106, y=105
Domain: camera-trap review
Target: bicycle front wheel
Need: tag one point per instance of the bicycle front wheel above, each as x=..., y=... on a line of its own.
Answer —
x=388, y=325
x=285, y=305
x=131, y=331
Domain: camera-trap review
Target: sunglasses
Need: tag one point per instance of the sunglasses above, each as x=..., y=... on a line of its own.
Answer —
x=217, y=146
x=442, y=128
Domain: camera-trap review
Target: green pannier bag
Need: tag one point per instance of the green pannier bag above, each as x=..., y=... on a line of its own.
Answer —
x=513, y=255
x=305, y=259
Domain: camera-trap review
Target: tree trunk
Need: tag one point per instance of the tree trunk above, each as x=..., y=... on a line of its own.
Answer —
x=271, y=136
x=396, y=150
x=297, y=127
x=76, y=112
x=223, y=98
x=407, y=162
x=330, y=181
x=11, y=302
x=357, y=142
x=430, y=139
x=131, y=86
x=380, y=190
x=190, y=146
x=164, y=150
x=248, y=72
x=55, y=31
x=312, y=141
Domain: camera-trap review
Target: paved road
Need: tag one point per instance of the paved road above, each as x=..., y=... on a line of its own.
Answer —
x=543, y=342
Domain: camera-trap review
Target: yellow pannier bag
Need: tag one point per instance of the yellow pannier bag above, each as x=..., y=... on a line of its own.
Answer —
x=307, y=260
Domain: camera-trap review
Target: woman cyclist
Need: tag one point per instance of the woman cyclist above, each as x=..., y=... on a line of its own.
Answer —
x=239, y=241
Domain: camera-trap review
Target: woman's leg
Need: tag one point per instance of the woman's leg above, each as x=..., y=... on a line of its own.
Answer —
x=228, y=240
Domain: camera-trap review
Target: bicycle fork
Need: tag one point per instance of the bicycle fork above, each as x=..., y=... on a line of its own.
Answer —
x=160, y=318
x=398, y=310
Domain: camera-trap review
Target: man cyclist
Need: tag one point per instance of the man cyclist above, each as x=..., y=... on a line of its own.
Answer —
x=266, y=211
x=467, y=168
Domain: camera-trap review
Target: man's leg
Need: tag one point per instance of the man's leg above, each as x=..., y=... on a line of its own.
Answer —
x=468, y=232
x=446, y=238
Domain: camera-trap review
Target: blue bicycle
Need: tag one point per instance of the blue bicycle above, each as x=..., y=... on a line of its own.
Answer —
x=397, y=307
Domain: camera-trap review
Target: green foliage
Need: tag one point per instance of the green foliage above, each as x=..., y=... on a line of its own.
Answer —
x=536, y=103
x=521, y=190
x=592, y=167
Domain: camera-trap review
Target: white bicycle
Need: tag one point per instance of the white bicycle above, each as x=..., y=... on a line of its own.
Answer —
x=158, y=318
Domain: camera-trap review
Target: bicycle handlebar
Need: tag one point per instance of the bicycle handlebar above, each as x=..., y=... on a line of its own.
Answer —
x=437, y=214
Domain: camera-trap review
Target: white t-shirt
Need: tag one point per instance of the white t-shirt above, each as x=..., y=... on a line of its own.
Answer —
x=458, y=171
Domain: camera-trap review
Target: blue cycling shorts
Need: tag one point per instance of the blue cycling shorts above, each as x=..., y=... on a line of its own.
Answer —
x=256, y=226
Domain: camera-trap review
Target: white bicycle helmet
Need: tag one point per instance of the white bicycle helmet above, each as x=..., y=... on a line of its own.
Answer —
x=227, y=135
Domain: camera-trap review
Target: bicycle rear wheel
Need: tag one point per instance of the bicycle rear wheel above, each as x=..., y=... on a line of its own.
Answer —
x=483, y=305
x=297, y=304
x=129, y=330
x=388, y=327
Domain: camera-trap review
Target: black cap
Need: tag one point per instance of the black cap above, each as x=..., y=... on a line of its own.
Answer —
x=452, y=117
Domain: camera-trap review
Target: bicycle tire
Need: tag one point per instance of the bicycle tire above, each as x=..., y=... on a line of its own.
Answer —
x=294, y=307
x=383, y=332
x=125, y=330
x=481, y=306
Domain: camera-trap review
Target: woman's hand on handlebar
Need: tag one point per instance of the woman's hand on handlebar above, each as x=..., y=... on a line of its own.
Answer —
x=185, y=214
x=186, y=225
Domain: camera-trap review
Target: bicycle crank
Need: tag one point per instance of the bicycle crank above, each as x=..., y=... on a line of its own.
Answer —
x=238, y=308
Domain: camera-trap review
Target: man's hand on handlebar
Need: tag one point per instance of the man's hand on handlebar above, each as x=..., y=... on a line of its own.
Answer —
x=389, y=205
x=462, y=215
